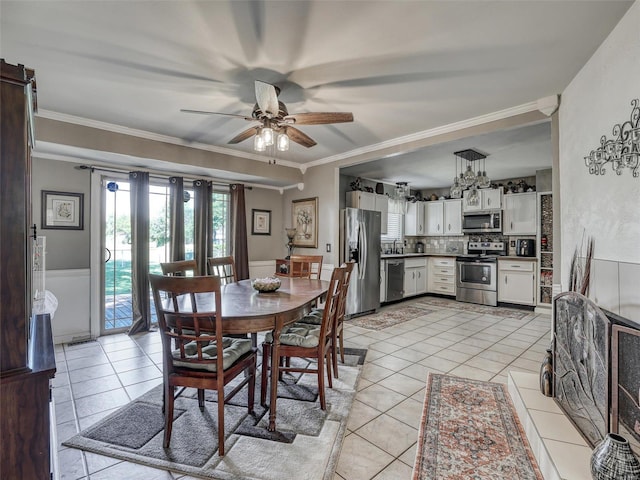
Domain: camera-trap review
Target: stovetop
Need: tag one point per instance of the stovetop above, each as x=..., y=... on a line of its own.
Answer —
x=486, y=250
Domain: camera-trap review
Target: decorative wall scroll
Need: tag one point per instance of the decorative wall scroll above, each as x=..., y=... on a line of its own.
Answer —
x=622, y=151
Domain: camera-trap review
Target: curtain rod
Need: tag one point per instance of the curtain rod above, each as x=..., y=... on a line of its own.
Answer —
x=160, y=176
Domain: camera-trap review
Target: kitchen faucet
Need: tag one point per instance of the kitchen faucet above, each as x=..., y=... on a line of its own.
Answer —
x=395, y=250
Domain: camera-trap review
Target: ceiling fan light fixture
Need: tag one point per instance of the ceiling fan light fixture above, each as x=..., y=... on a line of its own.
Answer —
x=267, y=136
x=283, y=142
x=258, y=143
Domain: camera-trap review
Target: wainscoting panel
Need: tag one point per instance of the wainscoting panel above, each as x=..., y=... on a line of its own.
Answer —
x=262, y=268
x=614, y=287
x=72, y=318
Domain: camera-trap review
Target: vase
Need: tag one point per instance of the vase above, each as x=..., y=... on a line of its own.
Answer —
x=546, y=374
x=613, y=459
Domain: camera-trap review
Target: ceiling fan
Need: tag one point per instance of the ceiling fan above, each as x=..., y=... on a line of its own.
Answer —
x=274, y=119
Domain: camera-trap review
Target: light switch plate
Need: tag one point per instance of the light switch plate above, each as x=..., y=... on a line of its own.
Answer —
x=328, y=247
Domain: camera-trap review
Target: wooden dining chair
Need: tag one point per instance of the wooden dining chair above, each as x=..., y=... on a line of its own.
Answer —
x=223, y=267
x=315, y=317
x=204, y=359
x=307, y=341
x=305, y=266
x=338, y=330
x=180, y=268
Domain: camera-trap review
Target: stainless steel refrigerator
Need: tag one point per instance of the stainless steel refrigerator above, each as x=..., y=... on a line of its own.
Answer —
x=360, y=230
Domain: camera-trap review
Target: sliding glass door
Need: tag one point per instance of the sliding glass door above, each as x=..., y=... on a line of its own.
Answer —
x=116, y=305
x=117, y=248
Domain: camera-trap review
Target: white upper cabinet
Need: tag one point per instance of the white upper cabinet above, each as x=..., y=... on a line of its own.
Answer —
x=488, y=199
x=435, y=218
x=519, y=216
x=414, y=219
x=382, y=206
x=363, y=200
x=444, y=217
x=453, y=217
x=370, y=201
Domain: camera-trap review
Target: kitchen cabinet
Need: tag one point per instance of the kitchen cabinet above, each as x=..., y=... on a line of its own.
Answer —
x=444, y=217
x=517, y=281
x=415, y=276
x=435, y=218
x=414, y=219
x=442, y=275
x=453, y=217
x=490, y=199
x=519, y=214
x=370, y=201
x=382, y=206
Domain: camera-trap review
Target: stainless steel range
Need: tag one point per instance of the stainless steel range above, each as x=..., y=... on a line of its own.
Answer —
x=477, y=272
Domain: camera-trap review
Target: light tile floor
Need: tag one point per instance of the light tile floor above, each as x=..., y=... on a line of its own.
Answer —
x=95, y=378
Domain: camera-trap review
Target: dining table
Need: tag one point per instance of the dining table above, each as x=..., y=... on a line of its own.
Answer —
x=247, y=311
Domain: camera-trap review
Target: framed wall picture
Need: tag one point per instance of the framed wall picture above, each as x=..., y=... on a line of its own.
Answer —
x=305, y=220
x=260, y=222
x=62, y=210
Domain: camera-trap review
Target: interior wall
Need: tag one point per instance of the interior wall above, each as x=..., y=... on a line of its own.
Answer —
x=320, y=182
x=265, y=247
x=602, y=206
x=66, y=249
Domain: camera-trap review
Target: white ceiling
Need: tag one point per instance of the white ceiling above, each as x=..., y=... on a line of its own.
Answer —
x=400, y=67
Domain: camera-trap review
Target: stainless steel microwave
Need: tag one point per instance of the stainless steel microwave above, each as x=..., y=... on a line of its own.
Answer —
x=482, y=222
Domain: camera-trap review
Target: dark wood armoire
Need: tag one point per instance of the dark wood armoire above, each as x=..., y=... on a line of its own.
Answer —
x=27, y=361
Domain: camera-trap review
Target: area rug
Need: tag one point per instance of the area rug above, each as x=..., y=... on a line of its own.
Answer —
x=305, y=433
x=389, y=316
x=427, y=302
x=469, y=430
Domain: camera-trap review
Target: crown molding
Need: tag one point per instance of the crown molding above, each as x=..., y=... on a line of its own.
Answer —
x=110, y=127
x=444, y=129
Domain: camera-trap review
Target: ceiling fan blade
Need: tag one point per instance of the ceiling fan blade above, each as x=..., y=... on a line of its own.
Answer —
x=299, y=137
x=202, y=112
x=267, y=98
x=319, y=118
x=241, y=137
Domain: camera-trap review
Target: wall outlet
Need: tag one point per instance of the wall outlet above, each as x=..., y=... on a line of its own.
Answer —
x=513, y=244
x=328, y=247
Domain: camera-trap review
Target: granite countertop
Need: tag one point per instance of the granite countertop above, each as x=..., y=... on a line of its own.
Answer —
x=514, y=257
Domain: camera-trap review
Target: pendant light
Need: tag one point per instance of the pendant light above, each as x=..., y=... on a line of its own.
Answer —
x=456, y=189
x=468, y=179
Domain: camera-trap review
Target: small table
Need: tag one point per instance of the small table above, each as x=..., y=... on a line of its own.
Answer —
x=245, y=310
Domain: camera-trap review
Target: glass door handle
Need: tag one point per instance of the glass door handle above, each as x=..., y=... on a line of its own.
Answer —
x=109, y=253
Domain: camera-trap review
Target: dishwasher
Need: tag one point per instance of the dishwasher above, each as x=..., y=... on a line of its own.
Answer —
x=395, y=279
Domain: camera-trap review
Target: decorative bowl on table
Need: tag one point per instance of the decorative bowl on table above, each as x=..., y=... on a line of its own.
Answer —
x=264, y=285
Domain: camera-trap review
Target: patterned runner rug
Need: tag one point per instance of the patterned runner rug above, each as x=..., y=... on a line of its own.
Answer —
x=428, y=302
x=388, y=317
x=469, y=430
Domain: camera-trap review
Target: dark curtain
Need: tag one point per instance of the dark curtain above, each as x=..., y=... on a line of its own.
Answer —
x=140, y=302
x=239, y=248
x=176, y=218
x=203, y=224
